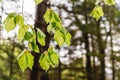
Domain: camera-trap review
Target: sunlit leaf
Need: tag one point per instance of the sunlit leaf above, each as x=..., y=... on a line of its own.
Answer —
x=25, y=59
x=48, y=15
x=51, y=16
x=21, y=32
x=20, y=20
x=59, y=37
x=53, y=56
x=68, y=38
x=38, y=1
x=110, y=2
x=97, y=12
x=55, y=26
x=44, y=62
x=9, y=22
x=41, y=37
x=49, y=58
x=22, y=61
x=49, y=28
x=56, y=17
x=60, y=27
x=30, y=59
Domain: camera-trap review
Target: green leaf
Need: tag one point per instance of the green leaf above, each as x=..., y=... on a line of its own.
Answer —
x=38, y=1
x=51, y=16
x=32, y=42
x=97, y=12
x=22, y=62
x=59, y=37
x=56, y=17
x=33, y=46
x=49, y=58
x=33, y=39
x=10, y=25
x=9, y=22
x=53, y=56
x=25, y=59
x=12, y=20
x=41, y=37
x=28, y=35
x=30, y=59
x=0, y=0
x=48, y=15
x=110, y=2
x=49, y=28
x=11, y=15
x=44, y=62
x=55, y=26
x=21, y=32
x=68, y=38
x=58, y=26
x=20, y=20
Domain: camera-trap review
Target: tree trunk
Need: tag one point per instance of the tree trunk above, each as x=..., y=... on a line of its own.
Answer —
x=59, y=71
x=88, y=59
x=101, y=45
x=86, y=41
x=94, y=64
x=112, y=54
x=37, y=73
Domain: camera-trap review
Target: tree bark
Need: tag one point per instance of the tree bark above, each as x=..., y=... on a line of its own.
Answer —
x=112, y=54
x=101, y=51
x=94, y=63
x=37, y=73
x=59, y=71
x=88, y=59
x=86, y=41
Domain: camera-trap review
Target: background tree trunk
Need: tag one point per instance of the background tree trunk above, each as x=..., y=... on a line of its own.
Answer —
x=112, y=54
x=94, y=63
x=88, y=59
x=101, y=46
x=86, y=41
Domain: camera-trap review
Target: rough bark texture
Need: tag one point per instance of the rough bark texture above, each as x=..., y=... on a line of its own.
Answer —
x=37, y=73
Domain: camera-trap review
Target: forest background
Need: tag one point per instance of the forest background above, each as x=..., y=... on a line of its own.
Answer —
x=94, y=53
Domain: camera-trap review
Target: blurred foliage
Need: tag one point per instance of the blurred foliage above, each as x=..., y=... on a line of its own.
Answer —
x=74, y=68
x=9, y=69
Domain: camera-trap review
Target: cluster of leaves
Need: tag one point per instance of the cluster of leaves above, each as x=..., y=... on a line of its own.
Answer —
x=14, y=19
x=27, y=33
x=25, y=59
x=61, y=35
x=49, y=58
x=97, y=12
